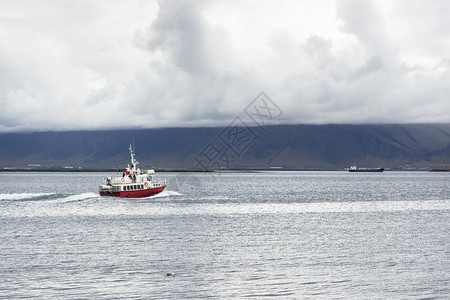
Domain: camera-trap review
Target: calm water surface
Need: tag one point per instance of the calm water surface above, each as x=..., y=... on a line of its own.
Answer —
x=291, y=235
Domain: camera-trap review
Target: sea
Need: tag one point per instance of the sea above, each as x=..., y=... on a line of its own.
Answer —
x=227, y=235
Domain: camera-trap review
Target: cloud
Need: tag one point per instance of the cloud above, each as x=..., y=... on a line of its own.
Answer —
x=139, y=64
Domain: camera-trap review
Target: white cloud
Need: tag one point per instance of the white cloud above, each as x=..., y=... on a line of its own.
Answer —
x=114, y=64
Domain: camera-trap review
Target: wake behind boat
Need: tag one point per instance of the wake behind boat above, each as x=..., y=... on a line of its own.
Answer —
x=134, y=183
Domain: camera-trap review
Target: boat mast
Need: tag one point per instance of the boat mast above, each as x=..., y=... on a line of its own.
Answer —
x=132, y=155
x=133, y=161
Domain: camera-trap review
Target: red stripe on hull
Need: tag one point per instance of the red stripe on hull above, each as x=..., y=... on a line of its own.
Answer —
x=134, y=194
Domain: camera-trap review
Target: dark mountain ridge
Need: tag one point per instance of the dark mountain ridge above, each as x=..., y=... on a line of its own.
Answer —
x=285, y=146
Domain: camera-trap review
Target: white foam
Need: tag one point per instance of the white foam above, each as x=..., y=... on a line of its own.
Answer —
x=78, y=197
x=351, y=207
x=23, y=196
x=166, y=194
x=319, y=207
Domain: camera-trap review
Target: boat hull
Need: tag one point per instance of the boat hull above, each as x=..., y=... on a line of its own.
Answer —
x=367, y=170
x=134, y=194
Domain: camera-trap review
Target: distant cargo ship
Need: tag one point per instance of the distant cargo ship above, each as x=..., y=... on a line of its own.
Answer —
x=440, y=170
x=356, y=169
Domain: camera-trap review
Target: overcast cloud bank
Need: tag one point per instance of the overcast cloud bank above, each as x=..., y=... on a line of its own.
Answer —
x=142, y=64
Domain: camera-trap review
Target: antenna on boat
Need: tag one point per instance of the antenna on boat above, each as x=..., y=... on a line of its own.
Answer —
x=134, y=162
x=131, y=154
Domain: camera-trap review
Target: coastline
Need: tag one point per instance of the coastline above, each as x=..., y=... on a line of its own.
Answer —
x=96, y=170
x=250, y=170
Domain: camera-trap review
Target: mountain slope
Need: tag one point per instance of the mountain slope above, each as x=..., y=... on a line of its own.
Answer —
x=288, y=146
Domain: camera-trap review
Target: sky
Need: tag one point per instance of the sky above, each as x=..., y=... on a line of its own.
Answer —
x=88, y=65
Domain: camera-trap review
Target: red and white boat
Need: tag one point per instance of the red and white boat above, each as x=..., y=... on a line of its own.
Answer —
x=134, y=183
